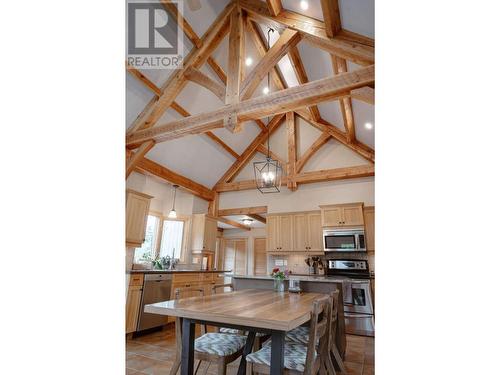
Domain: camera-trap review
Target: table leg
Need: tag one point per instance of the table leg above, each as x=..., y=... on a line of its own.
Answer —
x=242, y=370
x=277, y=352
x=188, y=330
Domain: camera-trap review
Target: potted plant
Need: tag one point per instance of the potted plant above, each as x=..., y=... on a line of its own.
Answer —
x=279, y=277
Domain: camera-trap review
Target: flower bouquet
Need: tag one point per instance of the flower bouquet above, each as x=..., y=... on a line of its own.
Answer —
x=279, y=277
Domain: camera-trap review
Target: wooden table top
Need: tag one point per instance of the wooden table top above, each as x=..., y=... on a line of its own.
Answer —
x=249, y=307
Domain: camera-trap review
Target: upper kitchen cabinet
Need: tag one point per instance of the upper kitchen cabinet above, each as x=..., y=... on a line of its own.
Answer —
x=369, y=214
x=342, y=215
x=136, y=217
x=279, y=233
x=307, y=232
x=204, y=233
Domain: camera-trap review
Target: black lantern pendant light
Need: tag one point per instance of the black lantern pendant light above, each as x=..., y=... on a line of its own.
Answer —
x=268, y=173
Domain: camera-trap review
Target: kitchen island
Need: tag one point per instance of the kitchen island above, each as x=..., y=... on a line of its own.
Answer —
x=315, y=284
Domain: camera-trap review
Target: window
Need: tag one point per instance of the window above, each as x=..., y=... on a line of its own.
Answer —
x=148, y=249
x=171, y=238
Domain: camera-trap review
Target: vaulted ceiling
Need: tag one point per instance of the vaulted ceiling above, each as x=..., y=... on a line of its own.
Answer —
x=212, y=152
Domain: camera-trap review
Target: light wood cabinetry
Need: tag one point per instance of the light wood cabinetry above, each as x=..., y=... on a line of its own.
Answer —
x=369, y=216
x=235, y=255
x=259, y=256
x=201, y=280
x=314, y=232
x=204, y=233
x=342, y=215
x=280, y=233
x=307, y=232
x=136, y=217
x=133, y=302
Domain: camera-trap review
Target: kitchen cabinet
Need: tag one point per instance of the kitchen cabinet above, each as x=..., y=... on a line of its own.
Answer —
x=369, y=216
x=133, y=304
x=204, y=233
x=307, y=232
x=280, y=233
x=137, y=210
x=342, y=215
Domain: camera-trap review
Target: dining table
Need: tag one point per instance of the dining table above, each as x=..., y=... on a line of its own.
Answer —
x=250, y=310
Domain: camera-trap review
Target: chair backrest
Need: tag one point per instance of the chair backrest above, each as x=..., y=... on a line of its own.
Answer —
x=334, y=317
x=319, y=329
x=222, y=287
x=183, y=292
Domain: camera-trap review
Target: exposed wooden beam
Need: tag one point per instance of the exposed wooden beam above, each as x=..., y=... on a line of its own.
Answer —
x=275, y=103
x=251, y=150
x=322, y=125
x=136, y=157
x=340, y=66
x=300, y=73
x=263, y=150
x=274, y=6
x=331, y=15
x=365, y=94
x=152, y=168
x=219, y=141
x=307, y=177
x=143, y=79
x=177, y=80
x=235, y=65
x=287, y=39
x=233, y=223
x=258, y=218
x=260, y=45
x=179, y=109
x=349, y=46
x=292, y=148
x=242, y=211
x=213, y=205
x=193, y=37
x=322, y=139
x=202, y=79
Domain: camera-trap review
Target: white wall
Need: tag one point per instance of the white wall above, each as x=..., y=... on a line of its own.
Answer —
x=306, y=197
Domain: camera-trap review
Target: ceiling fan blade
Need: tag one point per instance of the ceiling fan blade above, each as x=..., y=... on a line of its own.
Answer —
x=194, y=4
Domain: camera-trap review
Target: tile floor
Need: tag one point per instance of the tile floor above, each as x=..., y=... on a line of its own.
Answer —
x=154, y=354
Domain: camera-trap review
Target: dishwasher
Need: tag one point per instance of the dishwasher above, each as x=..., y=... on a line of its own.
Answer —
x=156, y=289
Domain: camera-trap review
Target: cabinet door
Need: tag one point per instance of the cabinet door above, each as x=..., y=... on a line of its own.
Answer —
x=132, y=308
x=352, y=215
x=272, y=233
x=314, y=232
x=210, y=234
x=369, y=214
x=229, y=255
x=137, y=216
x=240, y=257
x=332, y=216
x=259, y=256
x=285, y=233
x=300, y=235
x=198, y=232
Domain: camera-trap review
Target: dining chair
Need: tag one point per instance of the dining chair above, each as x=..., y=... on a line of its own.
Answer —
x=301, y=334
x=213, y=347
x=299, y=358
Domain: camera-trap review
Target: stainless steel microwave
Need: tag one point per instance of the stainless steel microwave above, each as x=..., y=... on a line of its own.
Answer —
x=340, y=239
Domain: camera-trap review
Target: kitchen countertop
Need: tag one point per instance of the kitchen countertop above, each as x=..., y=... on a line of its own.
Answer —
x=178, y=271
x=318, y=278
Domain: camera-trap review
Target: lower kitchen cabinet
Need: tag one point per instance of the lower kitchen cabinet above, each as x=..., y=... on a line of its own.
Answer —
x=132, y=308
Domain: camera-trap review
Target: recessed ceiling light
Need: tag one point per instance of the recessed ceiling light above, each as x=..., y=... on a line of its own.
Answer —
x=369, y=125
x=265, y=90
x=248, y=61
x=304, y=5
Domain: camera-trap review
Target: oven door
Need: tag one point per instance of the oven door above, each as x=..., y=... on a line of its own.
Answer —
x=340, y=241
x=357, y=298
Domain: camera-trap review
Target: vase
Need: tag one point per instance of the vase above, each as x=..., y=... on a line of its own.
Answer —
x=279, y=285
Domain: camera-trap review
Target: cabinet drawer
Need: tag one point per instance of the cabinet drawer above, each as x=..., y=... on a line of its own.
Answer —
x=136, y=279
x=206, y=276
x=219, y=278
x=188, y=277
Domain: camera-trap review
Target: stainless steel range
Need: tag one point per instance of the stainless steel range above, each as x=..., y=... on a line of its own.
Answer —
x=358, y=306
